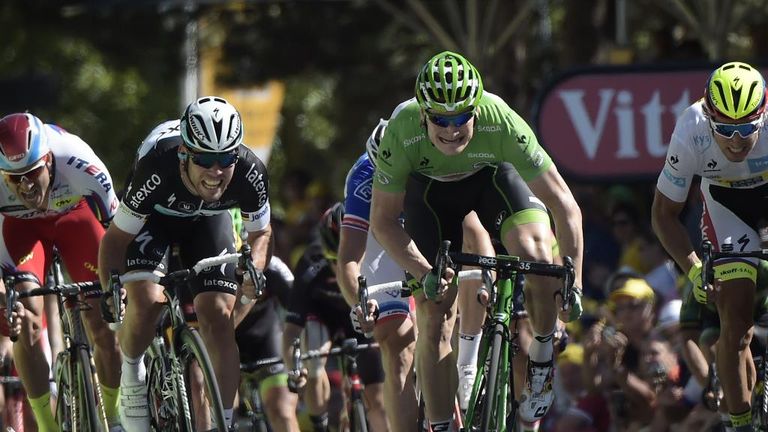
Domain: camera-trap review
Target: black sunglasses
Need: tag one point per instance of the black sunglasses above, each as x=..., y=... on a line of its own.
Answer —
x=208, y=160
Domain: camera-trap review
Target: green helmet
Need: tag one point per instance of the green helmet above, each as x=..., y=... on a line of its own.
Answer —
x=736, y=90
x=448, y=83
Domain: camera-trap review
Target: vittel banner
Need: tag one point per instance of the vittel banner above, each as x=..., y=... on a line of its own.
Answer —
x=611, y=122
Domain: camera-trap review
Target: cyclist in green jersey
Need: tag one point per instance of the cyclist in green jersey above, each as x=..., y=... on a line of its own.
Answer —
x=452, y=150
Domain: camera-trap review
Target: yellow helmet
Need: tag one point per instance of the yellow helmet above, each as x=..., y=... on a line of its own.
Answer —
x=736, y=90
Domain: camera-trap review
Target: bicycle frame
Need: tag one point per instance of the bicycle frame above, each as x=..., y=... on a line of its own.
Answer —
x=75, y=343
x=495, y=381
x=349, y=350
x=172, y=350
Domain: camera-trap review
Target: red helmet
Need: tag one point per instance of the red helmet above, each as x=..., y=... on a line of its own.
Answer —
x=23, y=143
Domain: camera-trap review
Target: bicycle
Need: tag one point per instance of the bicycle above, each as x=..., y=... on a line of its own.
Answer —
x=15, y=399
x=490, y=409
x=250, y=397
x=759, y=402
x=401, y=289
x=169, y=358
x=353, y=385
x=79, y=402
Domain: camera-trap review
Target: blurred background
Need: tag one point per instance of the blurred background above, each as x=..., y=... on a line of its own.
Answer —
x=601, y=81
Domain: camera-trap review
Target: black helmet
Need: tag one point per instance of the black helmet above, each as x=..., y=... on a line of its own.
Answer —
x=330, y=227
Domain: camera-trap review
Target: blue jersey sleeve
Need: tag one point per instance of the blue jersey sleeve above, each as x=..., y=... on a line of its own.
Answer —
x=357, y=194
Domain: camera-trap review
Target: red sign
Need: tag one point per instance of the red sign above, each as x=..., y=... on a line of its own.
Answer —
x=615, y=123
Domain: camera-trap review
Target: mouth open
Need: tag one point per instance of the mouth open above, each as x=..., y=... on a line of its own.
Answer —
x=454, y=141
x=211, y=184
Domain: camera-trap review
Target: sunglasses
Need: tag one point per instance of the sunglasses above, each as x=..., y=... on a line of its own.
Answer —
x=457, y=120
x=208, y=160
x=31, y=175
x=727, y=130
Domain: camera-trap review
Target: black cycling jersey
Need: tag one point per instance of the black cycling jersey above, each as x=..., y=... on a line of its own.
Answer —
x=157, y=187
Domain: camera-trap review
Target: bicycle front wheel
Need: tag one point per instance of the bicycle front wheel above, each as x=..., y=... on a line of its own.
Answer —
x=495, y=384
x=92, y=412
x=191, y=350
x=358, y=419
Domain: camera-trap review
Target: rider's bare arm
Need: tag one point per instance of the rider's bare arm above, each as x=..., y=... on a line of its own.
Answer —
x=665, y=218
x=385, y=212
x=351, y=249
x=552, y=190
x=112, y=252
x=261, y=243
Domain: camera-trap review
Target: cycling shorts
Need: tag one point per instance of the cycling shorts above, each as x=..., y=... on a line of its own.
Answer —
x=196, y=238
x=435, y=210
x=75, y=234
x=731, y=216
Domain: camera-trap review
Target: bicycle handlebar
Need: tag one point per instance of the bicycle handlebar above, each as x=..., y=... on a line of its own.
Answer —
x=67, y=290
x=117, y=281
x=708, y=257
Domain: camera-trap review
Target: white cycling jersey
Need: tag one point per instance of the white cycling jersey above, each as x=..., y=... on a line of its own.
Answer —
x=731, y=191
x=76, y=173
x=693, y=151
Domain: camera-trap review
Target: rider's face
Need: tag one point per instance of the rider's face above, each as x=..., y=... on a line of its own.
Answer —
x=737, y=147
x=208, y=183
x=32, y=187
x=450, y=139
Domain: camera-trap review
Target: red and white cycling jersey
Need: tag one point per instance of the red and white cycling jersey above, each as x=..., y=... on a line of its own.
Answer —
x=78, y=178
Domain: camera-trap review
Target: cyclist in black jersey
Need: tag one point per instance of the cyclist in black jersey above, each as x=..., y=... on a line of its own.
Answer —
x=188, y=173
x=317, y=306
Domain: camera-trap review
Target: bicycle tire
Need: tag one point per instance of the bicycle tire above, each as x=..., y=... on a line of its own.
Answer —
x=190, y=347
x=65, y=411
x=760, y=399
x=358, y=420
x=90, y=414
x=491, y=406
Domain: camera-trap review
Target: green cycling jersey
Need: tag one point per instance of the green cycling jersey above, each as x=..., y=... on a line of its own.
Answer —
x=500, y=135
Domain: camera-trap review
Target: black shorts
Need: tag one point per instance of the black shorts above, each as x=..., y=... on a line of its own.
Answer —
x=434, y=214
x=259, y=335
x=196, y=238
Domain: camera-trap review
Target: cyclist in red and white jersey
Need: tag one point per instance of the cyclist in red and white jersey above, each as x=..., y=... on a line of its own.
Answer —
x=55, y=192
x=721, y=138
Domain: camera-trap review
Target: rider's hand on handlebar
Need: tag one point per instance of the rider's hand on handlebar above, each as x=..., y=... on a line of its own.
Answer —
x=364, y=323
x=108, y=306
x=252, y=290
x=700, y=292
x=18, y=314
x=299, y=379
x=575, y=308
x=435, y=286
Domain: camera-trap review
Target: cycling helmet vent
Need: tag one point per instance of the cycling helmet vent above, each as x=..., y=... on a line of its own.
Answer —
x=211, y=124
x=736, y=90
x=448, y=83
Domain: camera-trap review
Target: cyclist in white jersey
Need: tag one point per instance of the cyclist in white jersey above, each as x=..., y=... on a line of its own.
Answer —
x=721, y=138
x=55, y=193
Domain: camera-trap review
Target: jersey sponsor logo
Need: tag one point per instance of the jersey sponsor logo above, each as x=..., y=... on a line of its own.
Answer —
x=677, y=181
x=63, y=202
x=143, y=240
x=490, y=128
x=16, y=157
x=145, y=190
x=364, y=190
x=673, y=160
x=413, y=140
x=481, y=155
x=746, y=182
x=91, y=169
x=142, y=262
x=218, y=283
x=702, y=142
x=256, y=178
x=186, y=207
x=383, y=178
x=537, y=158
x=758, y=165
